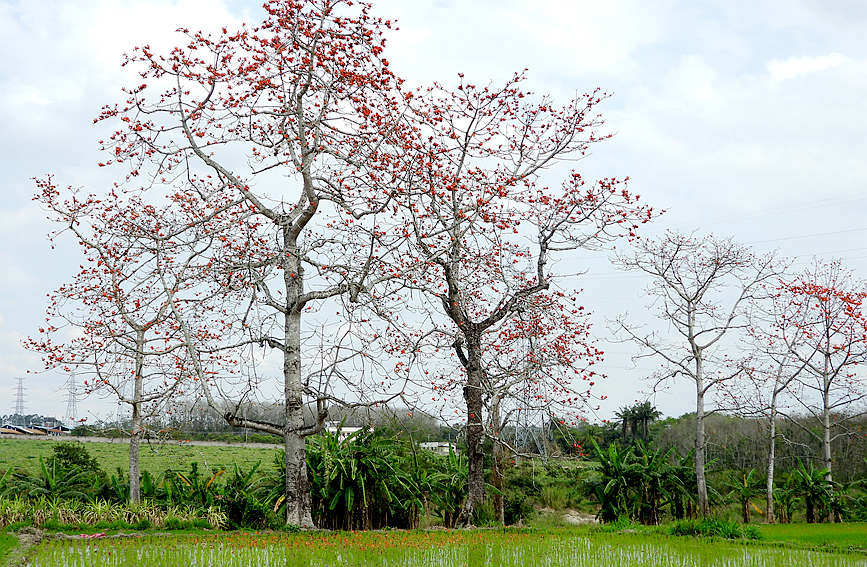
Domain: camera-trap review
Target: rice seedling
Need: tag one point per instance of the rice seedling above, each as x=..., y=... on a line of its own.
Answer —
x=433, y=549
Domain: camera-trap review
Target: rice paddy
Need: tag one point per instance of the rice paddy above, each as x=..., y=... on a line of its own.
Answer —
x=508, y=548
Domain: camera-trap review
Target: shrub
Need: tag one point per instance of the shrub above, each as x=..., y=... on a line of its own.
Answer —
x=618, y=525
x=484, y=515
x=713, y=527
x=554, y=496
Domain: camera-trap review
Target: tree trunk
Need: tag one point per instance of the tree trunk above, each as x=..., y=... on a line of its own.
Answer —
x=700, y=480
x=497, y=468
x=134, y=478
x=772, y=442
x=475, y=433
x=826, y=432
x=745, y=511
x=135, y=433
x=826, y=425
x=297, y=492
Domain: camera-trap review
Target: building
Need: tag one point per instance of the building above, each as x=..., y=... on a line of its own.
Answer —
x=342, y=432
x=439, y=447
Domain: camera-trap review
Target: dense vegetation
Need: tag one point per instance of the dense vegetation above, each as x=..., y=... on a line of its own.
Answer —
x=382, y=478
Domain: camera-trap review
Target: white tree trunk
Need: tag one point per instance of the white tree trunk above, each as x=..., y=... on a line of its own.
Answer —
x=135, y=433
x=700, y=457
x=297, y=492
x=772, y=442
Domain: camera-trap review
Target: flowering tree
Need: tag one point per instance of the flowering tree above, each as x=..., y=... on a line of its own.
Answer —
x=112, y=323
x=485, y=230
x=764, y=388
x=828, y=337
x=700, y=287
x=291, y=123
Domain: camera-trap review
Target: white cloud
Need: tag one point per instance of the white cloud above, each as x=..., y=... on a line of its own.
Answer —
x=784, y=69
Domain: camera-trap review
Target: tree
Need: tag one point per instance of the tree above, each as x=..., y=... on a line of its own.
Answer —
x=635, y=420
x=291, y=124
x=113, y=322
x=486, y=231
x=828, y=337
x=700, y=287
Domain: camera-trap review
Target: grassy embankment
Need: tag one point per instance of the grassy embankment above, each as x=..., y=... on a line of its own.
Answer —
x=155, y=458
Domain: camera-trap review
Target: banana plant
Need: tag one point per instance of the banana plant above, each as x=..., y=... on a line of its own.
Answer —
x=53, y=481
x=816, y=490
x=743, y=488
x=449, y=487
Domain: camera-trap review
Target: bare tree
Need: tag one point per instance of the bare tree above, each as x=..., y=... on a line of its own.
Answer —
x=700, y=287
x=770, y=370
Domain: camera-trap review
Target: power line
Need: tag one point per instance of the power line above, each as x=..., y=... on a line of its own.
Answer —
x=848, y=230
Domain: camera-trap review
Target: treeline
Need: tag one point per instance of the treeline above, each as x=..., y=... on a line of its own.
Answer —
x=734, y=443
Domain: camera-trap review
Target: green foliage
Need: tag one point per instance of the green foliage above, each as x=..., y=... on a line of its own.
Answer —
x=53, y=480
x=639, y=482
x=713, y=527
x=71, y=455
x=484, y=515
x=244, y=500
x=743, y=488
x=362, y=482
x=620, y=524
x=449, y=485
x=817, y=492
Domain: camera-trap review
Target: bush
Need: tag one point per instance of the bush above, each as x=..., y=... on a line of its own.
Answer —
x=713, y=527
x=554, y=496
x=484, y=515
x=618, y=525
x=72, y=454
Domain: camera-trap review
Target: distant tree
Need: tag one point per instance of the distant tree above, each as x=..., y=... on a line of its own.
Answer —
x=112, y=323
x=828, y=337
x=700, y=286
x=769, y=372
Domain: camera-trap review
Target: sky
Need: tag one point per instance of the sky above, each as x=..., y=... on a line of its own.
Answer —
x=738, y=118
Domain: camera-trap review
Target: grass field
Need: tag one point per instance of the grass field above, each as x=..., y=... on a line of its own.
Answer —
x=836, y=536
x=502, y=548
x=155, y=458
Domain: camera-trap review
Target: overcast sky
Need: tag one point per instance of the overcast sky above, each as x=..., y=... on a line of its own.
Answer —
x=740, y=118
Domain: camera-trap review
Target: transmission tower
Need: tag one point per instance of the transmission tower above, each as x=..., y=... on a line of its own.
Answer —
x=71, y=398
x=19, y=401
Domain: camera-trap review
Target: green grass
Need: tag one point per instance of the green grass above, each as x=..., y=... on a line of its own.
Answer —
x=505, y=548
x=155, y=458
x=833, y=536
x=7, y=544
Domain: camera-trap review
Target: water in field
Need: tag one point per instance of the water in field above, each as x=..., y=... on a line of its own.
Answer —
x=494, y=549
